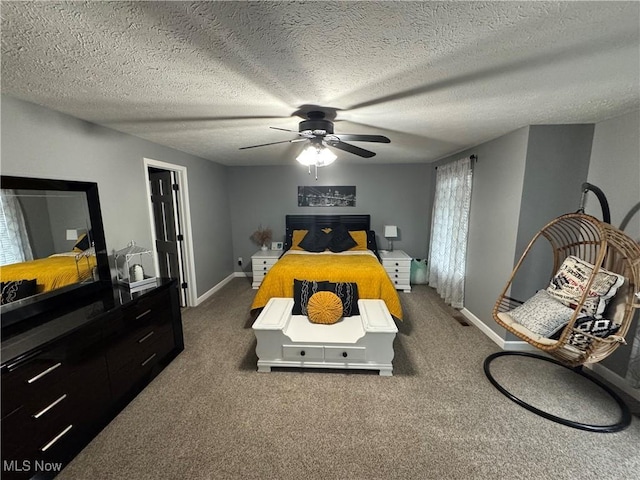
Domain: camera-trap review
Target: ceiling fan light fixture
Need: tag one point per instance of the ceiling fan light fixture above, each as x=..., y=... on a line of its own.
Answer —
x=316, y=155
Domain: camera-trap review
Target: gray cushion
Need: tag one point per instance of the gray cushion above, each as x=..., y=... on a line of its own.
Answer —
x=542, y=314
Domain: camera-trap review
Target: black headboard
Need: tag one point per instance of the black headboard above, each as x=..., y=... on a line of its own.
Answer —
x=352, y=222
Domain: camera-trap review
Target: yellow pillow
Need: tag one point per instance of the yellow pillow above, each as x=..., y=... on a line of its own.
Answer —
x=324, y=307
x=360, y=236
x=296, y=238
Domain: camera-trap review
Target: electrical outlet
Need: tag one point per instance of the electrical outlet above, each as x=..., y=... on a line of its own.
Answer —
x=240, y=261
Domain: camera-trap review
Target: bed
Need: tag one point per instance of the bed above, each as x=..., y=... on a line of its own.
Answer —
x=360, y=264
x=53, y=272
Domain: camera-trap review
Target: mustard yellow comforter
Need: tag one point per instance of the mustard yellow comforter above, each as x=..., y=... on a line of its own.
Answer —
x=50, y=273
x=364, y=269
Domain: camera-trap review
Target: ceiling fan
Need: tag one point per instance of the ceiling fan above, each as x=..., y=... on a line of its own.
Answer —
x=318, y=131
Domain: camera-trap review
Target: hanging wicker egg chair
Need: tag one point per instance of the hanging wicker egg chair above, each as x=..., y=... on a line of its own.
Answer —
x=602, y=246
x=605, y=251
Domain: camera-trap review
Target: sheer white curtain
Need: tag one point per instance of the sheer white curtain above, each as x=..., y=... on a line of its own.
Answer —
x=449, y=229
x=14, y=240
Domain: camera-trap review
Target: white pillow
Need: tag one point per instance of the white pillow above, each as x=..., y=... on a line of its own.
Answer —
x=542, y=314
x=569, y=283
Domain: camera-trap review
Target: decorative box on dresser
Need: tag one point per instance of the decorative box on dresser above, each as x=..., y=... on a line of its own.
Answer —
x=261, y=263
x=63, y=380
x=398, y=266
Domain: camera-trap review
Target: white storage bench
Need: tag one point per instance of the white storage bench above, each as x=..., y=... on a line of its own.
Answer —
x=364, y=341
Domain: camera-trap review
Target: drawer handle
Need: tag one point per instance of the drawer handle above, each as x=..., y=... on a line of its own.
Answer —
x=397, y=264
x=302, y=353
x=264, y=262
x=46, y=409
x=147, y=360
x=57, y=437
x=42, y=374
x=146, y=336
x=397, y=270
x=143, y=314
x=344, y=354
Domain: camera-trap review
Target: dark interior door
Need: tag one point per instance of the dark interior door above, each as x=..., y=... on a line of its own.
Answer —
x=167, y=226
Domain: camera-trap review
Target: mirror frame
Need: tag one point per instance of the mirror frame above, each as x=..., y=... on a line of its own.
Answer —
x=20, y=313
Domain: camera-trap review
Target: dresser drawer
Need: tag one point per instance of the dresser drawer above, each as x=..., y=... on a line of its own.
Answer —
x=145, y=311
x=133, y=346
x=44, y=418
x=302, y=352
x=141, y=359
x=48, y=369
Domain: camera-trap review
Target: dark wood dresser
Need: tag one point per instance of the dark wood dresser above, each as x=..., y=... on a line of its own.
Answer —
x=65, y=379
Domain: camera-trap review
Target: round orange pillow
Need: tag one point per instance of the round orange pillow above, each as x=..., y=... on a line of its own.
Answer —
x=324, y=307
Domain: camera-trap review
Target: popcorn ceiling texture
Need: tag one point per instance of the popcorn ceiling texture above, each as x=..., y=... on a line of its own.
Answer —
x=436, y=77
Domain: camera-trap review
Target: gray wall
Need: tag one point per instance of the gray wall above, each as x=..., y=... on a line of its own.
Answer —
x=615, y=168
x=39, y=142
x=498, y=178
x=392, y=194
x=556, y=167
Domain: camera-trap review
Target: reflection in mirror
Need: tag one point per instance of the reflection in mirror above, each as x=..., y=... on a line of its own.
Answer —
x=45, y=242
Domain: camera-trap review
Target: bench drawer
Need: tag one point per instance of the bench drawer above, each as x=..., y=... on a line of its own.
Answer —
x=302, y=352
x=345, y=354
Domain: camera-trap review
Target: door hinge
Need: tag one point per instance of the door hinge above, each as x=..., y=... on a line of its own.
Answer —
x=184, y=285
x=175, y=187
x=180, y=238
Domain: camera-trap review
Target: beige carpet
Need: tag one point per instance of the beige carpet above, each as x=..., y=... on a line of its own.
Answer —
x=210, y=415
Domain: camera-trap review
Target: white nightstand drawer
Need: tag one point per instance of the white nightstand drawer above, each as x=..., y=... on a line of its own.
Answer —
x=396, y=269
x=345, y=354
x=302, y=352
x=264, y=262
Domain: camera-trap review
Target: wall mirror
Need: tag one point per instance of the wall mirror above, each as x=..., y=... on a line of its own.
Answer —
x=52, y=245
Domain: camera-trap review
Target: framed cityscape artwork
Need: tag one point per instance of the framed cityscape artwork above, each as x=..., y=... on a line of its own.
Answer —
x=335, y=196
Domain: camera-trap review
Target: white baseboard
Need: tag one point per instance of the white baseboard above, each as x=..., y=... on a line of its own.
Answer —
x=217, y=287
x=511, y=345
x=520, y=346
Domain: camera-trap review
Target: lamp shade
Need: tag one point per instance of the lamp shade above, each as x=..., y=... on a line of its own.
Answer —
x=316, y=155
x=390, y=231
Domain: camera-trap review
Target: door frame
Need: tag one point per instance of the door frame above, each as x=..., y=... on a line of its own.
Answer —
x=185, y=217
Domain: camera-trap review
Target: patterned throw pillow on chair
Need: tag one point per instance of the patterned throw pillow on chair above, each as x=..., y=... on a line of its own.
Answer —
x=598, y=327
x=570, y=281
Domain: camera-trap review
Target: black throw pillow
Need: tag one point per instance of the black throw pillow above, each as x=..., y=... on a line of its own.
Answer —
x=348, y=294
x=316, y=240
x=341, y=240
x=302, y=291
x=17, y=290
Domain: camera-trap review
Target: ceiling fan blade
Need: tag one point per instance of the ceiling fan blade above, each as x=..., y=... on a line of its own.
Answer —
x=284, y=129
x=347, y=147
x=363, y=138
x=274, y=143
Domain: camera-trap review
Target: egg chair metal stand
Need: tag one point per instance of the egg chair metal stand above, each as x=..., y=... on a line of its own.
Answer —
x=607, y=249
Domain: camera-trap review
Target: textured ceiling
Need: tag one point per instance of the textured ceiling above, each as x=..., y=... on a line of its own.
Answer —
x=435, y=77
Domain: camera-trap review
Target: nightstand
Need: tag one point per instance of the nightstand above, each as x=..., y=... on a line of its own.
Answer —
x=398, y=266
x=261, y=263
